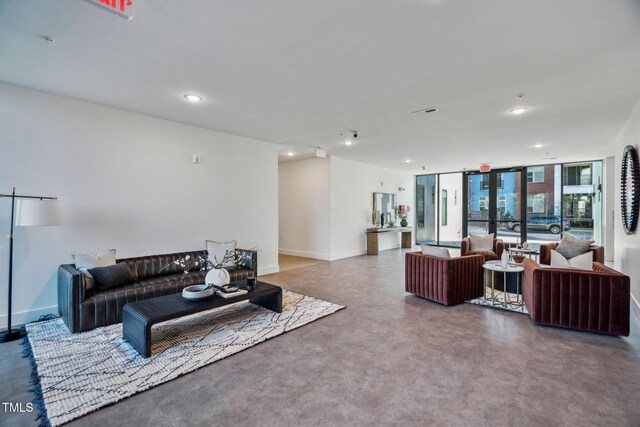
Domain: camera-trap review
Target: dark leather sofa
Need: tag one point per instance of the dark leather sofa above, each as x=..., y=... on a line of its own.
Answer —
x=83, y=306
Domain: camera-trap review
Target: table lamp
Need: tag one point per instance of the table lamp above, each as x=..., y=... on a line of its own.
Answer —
x=30, y=211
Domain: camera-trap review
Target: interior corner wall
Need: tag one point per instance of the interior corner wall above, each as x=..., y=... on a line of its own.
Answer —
x=304, y=208
x=352, y=188
x=608, y=209
x=126, y=181
x=627, y=247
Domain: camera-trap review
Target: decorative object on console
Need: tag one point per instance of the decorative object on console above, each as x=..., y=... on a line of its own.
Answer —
x=630, y=189
x=403, y=211
x=581, y=262
x=31, y=211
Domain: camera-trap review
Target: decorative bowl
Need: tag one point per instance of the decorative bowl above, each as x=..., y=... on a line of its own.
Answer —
x=197, y=292
x=518, y=258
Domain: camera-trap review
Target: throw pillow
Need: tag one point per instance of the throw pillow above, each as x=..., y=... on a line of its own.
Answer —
x=84, y=262
x=434, y=251
x=111, y=276
x=571, y=246
x=481, y=242
x=581, y=262
x=216, y=252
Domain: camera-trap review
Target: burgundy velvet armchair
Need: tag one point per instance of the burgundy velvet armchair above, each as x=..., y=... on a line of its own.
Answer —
x=545, y=253
x=498, y=248
x=447, y=281
x=591, y=300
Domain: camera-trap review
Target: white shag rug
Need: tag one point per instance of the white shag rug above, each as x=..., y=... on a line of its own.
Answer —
x=80, y=373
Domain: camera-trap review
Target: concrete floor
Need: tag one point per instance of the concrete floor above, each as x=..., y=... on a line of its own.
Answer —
x=389, y=358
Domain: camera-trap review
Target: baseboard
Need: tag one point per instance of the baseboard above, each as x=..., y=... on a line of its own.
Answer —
x=635, y=306
x=349, y=254
x=268, y=270
x=304, y=254
x=22, y=317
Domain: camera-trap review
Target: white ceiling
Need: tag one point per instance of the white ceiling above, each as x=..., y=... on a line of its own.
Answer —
x=298, y=73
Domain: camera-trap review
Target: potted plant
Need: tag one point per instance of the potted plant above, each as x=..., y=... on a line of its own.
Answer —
x=403, y=211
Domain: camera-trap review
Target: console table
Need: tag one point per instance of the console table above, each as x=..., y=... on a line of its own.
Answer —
x=374, y=233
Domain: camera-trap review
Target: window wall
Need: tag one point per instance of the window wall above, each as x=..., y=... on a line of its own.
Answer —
x=557, y=198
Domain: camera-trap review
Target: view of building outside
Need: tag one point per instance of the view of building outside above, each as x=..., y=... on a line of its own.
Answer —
x=559, y=198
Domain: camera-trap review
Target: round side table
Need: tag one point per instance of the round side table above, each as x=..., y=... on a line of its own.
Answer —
x=497, y=268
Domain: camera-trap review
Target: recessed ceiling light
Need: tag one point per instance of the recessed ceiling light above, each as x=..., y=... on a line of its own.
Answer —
x=538, y=146
x=518, y=111
x=192, y=98
x=408, y=161
x=290, y=154
x=348, y=142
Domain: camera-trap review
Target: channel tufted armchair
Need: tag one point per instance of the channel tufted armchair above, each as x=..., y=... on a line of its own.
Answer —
x=595, y=300
x=447, y=281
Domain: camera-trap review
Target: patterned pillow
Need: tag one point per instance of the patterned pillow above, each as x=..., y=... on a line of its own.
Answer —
x=216, y=252
x=571, y=246
x=84, y=262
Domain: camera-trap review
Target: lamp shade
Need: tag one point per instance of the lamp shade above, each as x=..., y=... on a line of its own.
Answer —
x=35, y=212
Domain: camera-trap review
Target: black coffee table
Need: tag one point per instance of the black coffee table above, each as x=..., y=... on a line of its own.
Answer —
x=139, y=316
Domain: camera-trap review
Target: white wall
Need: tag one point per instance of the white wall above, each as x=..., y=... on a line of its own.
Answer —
x=127, y=182
x=627, y=248
x=352, y=188
x=609, y=217
x=304, y=213
x=325, y=206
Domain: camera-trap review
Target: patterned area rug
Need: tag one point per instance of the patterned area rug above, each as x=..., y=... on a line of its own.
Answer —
x=77, y=374
x=499, y=296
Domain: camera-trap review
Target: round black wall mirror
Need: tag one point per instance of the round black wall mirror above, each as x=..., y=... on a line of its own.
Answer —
x=630, y=189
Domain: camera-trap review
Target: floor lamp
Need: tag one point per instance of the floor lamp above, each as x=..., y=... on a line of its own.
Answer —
x=28, y=212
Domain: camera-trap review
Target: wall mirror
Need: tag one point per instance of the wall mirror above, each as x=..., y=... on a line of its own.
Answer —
x=630, y=189
x=384, y=206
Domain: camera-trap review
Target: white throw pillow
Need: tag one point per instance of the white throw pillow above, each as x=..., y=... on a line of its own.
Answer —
x=434, y=251
x=84, y=262
x=217, y=250
x=481, y=242
x=580, y=262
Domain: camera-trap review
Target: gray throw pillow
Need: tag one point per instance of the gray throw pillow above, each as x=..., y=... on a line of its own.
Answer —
x=571, y=246
x=111, y=276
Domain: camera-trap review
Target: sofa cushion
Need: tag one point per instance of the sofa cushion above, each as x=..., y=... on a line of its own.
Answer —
x=570, y=246
x=581, y=262
x=84, y=262
x=435, y=251
x=111, y=276
x=481, y=243
x=163, y=265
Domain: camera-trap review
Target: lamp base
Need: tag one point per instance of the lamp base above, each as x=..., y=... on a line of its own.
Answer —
x=15, y=334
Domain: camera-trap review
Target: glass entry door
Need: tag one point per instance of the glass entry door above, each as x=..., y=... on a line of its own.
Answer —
x=494, y=204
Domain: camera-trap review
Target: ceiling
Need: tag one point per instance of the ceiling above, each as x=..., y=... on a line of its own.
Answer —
x=299, y=73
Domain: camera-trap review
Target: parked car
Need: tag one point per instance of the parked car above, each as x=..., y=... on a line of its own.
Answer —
x=550, y=223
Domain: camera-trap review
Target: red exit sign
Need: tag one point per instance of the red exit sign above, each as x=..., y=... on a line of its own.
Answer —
x=121, y=8
x=485, y=168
